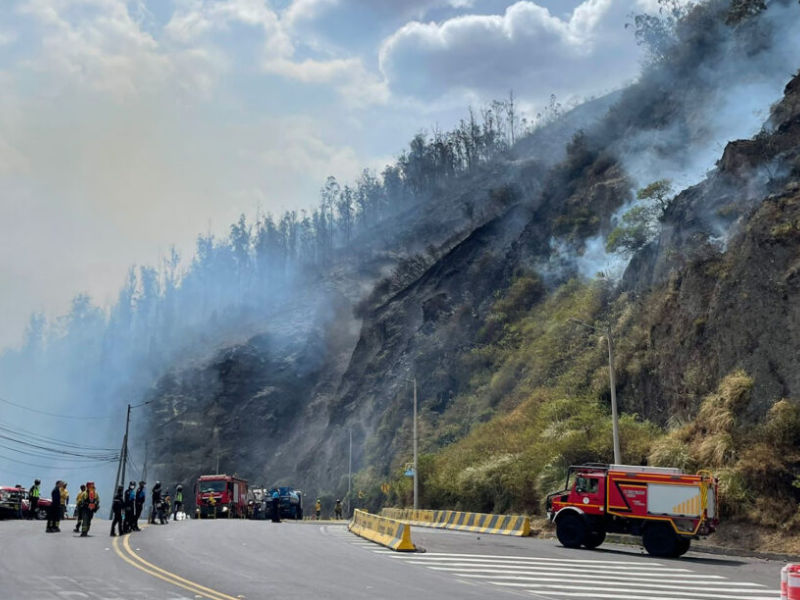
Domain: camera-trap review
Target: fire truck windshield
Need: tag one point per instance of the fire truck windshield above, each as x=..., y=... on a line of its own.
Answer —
x=212, y=486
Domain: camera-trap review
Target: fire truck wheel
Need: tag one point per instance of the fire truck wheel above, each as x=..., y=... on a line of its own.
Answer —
x=660, y=540
x=594, y=539
x=571, y=531
x=682, y=546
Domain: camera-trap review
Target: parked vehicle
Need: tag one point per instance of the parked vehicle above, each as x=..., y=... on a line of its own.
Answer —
x=291, y=503
x=665, y=506
x=14, y=498
x=42, y=507
x=220, y=496
x=10, y=501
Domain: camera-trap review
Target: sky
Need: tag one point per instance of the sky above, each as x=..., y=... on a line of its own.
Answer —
x=127, y=126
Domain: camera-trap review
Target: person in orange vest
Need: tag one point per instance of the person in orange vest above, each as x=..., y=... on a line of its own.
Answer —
x=88, y=504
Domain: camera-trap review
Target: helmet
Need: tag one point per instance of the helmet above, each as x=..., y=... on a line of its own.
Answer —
x=119, y=489
x=89, y=484
x=132, y=484
x=37, y=482
x=179, y=488
x=142, y=483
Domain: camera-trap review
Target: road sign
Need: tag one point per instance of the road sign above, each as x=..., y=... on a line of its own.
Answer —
x=409, y=472
x=385, y=487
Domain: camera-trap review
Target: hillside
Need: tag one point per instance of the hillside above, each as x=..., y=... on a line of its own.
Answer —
x=471, y=291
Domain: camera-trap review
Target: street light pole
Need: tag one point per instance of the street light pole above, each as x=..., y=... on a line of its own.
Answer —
x=416, y=473
x=349, y=467
x=613, y=382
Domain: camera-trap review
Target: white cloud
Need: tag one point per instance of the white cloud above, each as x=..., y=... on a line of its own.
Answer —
x=307, y=10
x=7, y=38
x=526, y=48
x=97, y=43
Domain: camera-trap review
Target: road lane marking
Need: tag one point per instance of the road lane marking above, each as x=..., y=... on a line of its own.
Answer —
x=607, y=580
x=503, y=558
x=543, y=565
x=693, y=592
x=164, y=575
x=625, y=596
x=549, y=569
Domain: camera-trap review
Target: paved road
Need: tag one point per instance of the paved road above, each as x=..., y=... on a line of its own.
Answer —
x=224, y=560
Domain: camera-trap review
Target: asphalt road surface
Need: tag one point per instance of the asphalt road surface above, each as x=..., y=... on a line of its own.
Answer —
x=253, y=560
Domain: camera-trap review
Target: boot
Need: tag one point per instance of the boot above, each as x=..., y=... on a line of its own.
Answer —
x=113, y=534
x=84, y=534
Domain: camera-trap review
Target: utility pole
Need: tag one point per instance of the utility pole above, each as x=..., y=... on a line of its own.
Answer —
x=123, y=455
x=144, y=468
x=613, y=382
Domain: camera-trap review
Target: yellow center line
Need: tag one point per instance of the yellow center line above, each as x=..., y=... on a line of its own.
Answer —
x=133, y=559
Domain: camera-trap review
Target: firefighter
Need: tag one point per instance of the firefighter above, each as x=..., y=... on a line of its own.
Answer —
x=318, y=508
x=178, y=502
x=116, y=509
x=33, y=499
x=141, y=498
x=130, y=508
x=64, y=500
x=88, y=504
x=54, y=514
x=276, y=506
x=337, y=509
x=78, y=511
x=213, y=502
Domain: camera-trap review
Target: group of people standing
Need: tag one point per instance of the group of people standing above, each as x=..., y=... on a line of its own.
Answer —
x=131, y=503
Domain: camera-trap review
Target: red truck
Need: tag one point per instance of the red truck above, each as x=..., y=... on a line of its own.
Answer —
x=665, y=506
x=220, y=496
x=12, y=498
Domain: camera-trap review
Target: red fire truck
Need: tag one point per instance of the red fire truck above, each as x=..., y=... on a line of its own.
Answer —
x=665, y=506
x=220, y=496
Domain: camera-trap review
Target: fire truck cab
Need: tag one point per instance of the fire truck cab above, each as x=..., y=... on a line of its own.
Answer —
x=665, y=506
x=220, y=497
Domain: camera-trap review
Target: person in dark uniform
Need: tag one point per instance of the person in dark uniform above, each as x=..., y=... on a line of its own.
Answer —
x=116, y=509
x=141, y=498
x=54, y=513
x=156, y=495
x=33, y=499
x=276, y=507
x=129, y=501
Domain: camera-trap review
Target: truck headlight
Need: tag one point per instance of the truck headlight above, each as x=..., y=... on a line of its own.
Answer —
x=224, y=509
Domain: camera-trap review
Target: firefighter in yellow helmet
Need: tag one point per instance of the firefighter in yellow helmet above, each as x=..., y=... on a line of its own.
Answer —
x=318, y=508
x=88, y=504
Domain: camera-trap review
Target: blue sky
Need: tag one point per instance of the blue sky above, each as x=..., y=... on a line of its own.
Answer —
x=129, y=125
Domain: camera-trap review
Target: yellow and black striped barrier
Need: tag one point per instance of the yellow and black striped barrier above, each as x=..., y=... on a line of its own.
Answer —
x=462, y=521
x=381, y=530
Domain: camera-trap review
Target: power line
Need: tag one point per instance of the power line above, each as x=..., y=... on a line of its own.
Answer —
x=51, y=467
x=8, y=428
x=49, y=414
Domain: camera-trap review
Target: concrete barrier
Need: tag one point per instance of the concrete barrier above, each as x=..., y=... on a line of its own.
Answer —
x=462, y=521
x=391, y=533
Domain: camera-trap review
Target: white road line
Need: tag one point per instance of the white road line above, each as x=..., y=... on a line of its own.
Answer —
x=533, y=569
x=594, y=595
x=501, y=563
x=680, y=590
x=445, y=556
x=599, y=579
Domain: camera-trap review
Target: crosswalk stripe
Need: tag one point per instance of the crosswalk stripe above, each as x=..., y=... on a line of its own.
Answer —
x=445, y=556
x=516, y=564
x=554, y=569
x=694, y=592
x=635, y=596
x=611, y=579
